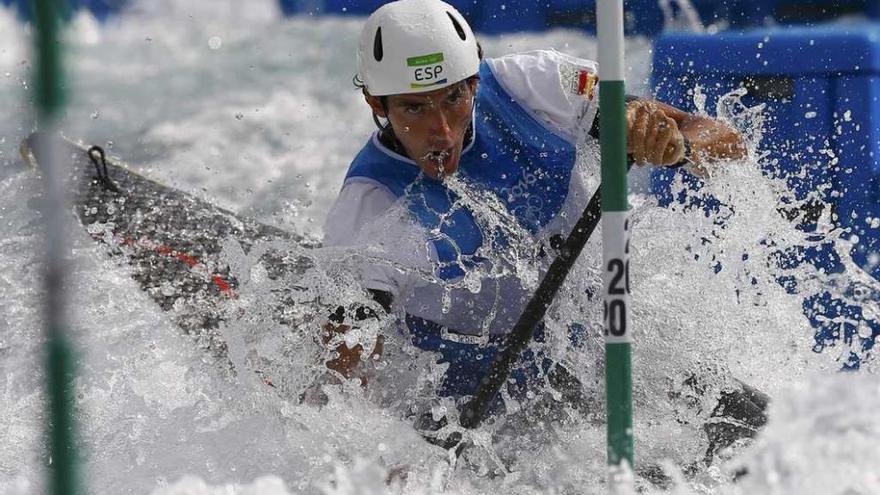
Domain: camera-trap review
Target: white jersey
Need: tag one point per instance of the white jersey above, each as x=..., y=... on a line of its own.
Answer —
x=556, y=89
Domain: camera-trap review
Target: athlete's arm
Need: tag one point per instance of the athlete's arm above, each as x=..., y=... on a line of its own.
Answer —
x=656, y=134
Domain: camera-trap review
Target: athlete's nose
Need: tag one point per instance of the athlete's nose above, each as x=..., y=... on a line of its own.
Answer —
x=441, y=132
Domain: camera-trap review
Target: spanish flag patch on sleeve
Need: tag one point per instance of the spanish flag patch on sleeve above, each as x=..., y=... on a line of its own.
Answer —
x=586, y=83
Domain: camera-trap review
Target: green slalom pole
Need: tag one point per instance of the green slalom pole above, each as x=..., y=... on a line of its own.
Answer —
x=615, y=245
x=49, y=101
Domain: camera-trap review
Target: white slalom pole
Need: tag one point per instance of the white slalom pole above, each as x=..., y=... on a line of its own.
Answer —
x=615, y=246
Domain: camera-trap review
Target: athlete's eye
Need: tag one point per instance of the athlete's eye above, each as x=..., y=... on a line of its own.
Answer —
x=412, y=109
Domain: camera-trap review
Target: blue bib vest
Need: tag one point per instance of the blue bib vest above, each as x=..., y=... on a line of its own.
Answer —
x=525, y=165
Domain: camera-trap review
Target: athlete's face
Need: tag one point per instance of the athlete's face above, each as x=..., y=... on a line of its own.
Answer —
x=431, y=126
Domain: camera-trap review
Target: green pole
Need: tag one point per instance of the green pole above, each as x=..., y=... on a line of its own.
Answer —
x=49, y=104
x=615, y=244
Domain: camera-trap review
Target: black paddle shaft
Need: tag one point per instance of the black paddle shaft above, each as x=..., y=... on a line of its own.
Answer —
x=514, y=343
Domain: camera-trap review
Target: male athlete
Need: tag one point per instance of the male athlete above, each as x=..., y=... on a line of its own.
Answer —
x=461, y=139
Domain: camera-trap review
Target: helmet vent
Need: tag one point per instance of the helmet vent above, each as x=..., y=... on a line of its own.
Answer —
x=458, y=28
x=377, y=46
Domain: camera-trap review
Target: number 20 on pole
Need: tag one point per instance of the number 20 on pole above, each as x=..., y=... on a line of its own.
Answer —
x=617, y=290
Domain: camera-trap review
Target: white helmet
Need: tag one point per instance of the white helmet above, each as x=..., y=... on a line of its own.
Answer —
x=414, y=46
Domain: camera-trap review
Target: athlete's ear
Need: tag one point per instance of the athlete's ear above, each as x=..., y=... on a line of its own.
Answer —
x=474, y=84
x=376, y=104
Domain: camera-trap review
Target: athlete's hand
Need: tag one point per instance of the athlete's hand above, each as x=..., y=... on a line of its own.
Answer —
x=652, y=136
x=347, y=359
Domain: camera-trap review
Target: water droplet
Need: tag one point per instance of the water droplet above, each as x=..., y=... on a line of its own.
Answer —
x=215, y=42
x=484, y=156
x=406, y=128
x=239, y=116
x=148, y=38
x=810, y=115
x=8, y=74
x=95, y=115
x=860, y=292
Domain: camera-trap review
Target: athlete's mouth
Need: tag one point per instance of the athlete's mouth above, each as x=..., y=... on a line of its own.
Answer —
x=440, y=157
x=437, y=155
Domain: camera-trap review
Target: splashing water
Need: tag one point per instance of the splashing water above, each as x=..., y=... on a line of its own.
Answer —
x=262, y=124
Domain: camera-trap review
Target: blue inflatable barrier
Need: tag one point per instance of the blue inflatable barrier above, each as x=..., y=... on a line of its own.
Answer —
x=821, y=88
x=505, y=16
x=818, y=85
x=356, y=7
x=815, y=11
x=642, y=17
x=319, y=7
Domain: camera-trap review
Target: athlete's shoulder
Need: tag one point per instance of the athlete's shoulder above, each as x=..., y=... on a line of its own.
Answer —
x=556, y=87
x=548, y=66
x=548, y=56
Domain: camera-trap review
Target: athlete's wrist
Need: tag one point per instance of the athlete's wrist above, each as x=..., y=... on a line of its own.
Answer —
x=687, y=158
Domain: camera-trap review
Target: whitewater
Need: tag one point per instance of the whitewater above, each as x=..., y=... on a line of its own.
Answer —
x=258, y=114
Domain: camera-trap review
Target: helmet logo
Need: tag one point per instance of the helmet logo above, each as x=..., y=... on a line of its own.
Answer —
x=427, y=70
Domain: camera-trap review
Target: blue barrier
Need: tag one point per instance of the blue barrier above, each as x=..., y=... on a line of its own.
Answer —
x=813, y=11
x=821, y=88
x=643, y=17
x=505, y=16
x=323, y=7
x=819, y=84
x=746, y=13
